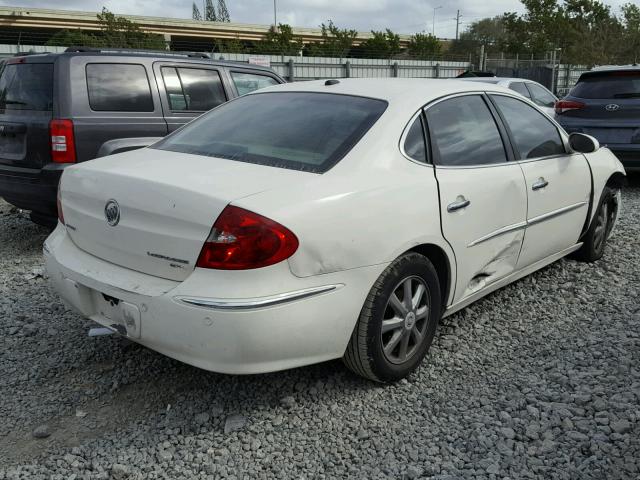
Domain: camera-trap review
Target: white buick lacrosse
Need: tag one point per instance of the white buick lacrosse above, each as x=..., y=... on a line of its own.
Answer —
x=322, y=220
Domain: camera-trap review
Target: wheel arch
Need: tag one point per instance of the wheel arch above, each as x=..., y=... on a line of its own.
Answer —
x=617, y=180
x=442, y=263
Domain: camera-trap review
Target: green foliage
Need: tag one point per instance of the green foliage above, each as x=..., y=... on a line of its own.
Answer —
x=381, y=45
x=231, y=46
x=196, y=15
x=223, y=12
x=115, y=32
x=210, y=14
x=279, y=41
x=424, y=46
x=631, y=32
x=335, y=42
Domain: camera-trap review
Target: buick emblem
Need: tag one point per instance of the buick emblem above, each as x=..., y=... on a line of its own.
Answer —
x=112, y=212
x=612, y=107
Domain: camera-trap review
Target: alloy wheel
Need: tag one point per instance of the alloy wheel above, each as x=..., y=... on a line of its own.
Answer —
x=405, y=320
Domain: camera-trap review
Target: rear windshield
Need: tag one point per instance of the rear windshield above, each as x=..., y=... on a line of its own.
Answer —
x=300, y=131
x=26, y=86
x=609, y=85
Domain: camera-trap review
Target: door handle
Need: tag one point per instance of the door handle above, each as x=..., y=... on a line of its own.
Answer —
x=459, y=204
x=539, y=184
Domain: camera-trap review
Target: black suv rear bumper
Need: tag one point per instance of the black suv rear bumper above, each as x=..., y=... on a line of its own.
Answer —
x=30, y=188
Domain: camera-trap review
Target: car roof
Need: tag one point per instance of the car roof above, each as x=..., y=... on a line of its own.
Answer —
x=397, y=91
x=498, y=79
x=605, y=68
x=190, y=57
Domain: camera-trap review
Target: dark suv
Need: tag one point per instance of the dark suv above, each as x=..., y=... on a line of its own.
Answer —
x=605, y=103
x=59, y=109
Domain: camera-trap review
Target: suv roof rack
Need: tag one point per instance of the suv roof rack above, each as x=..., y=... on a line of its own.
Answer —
x=26, y=54
x=167, y=53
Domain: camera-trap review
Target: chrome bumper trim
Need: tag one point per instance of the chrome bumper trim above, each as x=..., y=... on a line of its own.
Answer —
x=259, y=302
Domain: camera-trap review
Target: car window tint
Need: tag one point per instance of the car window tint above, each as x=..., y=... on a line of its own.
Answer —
x=118, y=88
x=521, y=88
x=608, y=85
x=248, y=82
x=535, y=136
x=463, y=132
x=27, y=86
x=173, y=87
x=541, y=96
x=193, y=89
x=414, y=145
x=300, y=131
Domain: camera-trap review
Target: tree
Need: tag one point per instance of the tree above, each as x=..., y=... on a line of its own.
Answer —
x=424, y=46
x=335, y=42
x=118, y=32
x=381, y=45
x=210, y=12
x=196, y=15
x=631, y=32
x=231, y=46
x=223, y=12
x=279, y=41
x=115, y=32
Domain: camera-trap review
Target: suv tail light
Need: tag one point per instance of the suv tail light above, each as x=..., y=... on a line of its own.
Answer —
x=59, y=203
x=242, y=240
x=563, y=106
x=63, y=144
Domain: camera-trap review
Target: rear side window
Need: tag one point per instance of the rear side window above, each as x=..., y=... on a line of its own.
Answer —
x=535, y=136
x=414, y=145
x=118, y=88
x=27, y=86
x=521, y=88
x=463, y=132
x=540, y=96
x=299, y=131
x=193, y=89
x=248, y=82
x=608, y=85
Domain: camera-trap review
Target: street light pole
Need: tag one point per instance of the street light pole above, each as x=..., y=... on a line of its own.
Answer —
x=275, y=15
x=433, y=29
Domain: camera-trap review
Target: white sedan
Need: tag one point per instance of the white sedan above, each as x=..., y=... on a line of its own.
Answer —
x=322, y=220
x=538, y=94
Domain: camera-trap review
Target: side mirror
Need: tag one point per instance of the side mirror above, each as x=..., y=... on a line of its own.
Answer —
x=582, y=143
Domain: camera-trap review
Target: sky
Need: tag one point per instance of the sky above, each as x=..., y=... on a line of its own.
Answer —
x=402, y=16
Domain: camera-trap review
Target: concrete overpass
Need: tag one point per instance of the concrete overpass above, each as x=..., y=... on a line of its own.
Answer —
x=42, y=23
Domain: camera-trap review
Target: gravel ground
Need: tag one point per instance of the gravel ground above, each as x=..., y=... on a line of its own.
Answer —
x=539, y=380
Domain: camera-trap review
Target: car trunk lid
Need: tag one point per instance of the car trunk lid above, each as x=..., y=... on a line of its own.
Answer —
x=26, y=108
x=167, y=205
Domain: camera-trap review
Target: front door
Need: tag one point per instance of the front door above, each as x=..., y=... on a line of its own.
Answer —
x=483, y=199
x=558, y=182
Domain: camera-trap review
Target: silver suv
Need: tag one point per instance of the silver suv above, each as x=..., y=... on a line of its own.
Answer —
x=60, y=109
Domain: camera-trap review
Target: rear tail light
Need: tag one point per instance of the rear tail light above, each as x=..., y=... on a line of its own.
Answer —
x=59, y=203
x=242, y=240
x=63, y=144
x=563, y=106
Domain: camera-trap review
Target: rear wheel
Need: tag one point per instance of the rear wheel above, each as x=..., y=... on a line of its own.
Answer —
x=398, y=321
x=596, y=237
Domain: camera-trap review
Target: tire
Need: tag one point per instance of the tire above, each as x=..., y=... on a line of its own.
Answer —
x=595, y=240
x=366, y=354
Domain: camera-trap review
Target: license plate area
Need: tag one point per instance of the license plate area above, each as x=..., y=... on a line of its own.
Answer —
x=123, y=317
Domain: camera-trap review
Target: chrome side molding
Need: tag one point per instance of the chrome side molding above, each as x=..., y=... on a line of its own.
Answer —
x=555, y=213
x=500, y=231
x=258, y=302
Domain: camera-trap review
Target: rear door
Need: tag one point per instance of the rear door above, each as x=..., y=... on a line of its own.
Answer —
x=188, y=90
x=558, y=183
x=110, y=98
x=26, y=108
x=483, y=199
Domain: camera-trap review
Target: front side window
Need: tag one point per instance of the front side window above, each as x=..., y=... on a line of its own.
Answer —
x=463, y=132
x=27, y=86
x=534, y=135
x=300, y=131
x=193, y=89
x=248, y=82
x=116, y=87
x=414, y=145
x=541, y=96
x=521, y=88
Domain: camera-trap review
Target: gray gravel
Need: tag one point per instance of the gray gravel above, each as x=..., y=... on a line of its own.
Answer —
x=540, y=380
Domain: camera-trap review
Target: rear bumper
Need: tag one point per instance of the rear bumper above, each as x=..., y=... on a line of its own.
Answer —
x=627, y=153
x=229, y=322
x=30, y=188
